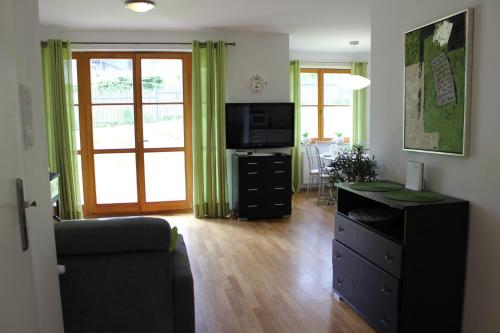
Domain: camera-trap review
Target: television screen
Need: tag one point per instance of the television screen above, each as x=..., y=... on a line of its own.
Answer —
x=259, y=125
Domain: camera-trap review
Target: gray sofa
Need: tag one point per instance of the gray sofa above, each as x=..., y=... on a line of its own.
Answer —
x=120, y=277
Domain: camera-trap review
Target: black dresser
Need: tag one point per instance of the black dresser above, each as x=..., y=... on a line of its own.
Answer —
x=261, y=185
x=406, y=275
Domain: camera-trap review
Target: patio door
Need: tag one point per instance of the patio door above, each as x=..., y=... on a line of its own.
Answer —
x=135, y=130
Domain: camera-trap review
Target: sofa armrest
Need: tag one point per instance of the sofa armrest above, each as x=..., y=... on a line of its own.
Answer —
x=76, y=237
x=182, y=278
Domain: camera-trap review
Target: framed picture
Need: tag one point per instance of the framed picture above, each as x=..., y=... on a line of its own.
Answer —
x=438, y=59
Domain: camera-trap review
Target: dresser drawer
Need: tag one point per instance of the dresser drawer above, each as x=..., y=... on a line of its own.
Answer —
x=252, y=208
x=279, y=190
x=279, y=177
x=249, y=177
x=252, y=166
x=371, y=291
x=252, y=192
x=281, y=161
x=381, y=251
x=279, y=207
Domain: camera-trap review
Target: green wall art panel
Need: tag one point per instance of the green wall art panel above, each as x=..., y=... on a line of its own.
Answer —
x=438, y=59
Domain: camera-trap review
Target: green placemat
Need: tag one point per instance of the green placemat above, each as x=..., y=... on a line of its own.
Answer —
x=414, y=196
x=376, y=186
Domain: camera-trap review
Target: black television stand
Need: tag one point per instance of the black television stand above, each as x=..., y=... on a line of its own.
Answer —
x=261, y=184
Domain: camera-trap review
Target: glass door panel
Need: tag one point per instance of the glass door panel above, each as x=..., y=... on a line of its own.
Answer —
x=162, y=81
x=309, y=88
x=163, y=122
x=77, y=129
x=335, y=92
x=113, y=126
x=115, y=178
x=113, y=131
x=163, y=125
x=338, y=119
x=112, y=81
x=309, y=120
x=337, y=102
x=309, y=104
x=165, y=176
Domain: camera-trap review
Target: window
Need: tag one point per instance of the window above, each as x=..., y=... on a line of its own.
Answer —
x=326, y=106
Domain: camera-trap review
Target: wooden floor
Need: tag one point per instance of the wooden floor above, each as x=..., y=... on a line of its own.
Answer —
x=267, y=276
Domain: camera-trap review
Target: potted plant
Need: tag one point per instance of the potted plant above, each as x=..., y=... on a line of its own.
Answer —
x=305, y=138
x=353, y=165
x=339, y=138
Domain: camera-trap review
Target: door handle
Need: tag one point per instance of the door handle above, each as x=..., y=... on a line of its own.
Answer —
x=21, y=208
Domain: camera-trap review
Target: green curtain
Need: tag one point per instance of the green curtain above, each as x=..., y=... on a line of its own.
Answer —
x=209, y=134
x=359, y=106
x=60, y=123
x=295, y=98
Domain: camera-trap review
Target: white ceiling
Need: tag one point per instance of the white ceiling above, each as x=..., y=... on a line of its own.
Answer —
x=313, y=25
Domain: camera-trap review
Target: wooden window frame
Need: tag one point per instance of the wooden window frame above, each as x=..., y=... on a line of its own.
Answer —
x=91, y=208
x=321, y=101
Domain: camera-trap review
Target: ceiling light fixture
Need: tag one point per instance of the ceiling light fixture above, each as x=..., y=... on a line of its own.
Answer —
x=356, y=82
x=140, y=6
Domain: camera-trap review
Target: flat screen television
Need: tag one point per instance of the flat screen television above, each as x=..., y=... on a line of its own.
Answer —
x=259, y=125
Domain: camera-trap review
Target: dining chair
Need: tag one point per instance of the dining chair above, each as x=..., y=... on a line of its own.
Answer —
x=323, y=174
x=313, y=167
x=333, y=149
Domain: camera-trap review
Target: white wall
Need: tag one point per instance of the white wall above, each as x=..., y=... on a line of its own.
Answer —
x=329, y=56
x=475, y=178
x=41, y=229
x=262, y=53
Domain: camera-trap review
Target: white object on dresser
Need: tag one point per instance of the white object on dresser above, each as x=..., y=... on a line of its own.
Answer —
x=415, y=176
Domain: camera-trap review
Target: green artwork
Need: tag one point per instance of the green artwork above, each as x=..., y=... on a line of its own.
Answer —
x=436, y=81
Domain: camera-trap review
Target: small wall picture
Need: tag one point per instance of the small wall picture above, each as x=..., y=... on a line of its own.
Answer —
x=437, y=85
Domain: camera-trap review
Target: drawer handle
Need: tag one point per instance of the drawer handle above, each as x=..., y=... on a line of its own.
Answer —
x=253, y=173
x=253, y=189
x=279, y=171
x=386, y=291
x=338, y=256
x=339, y=281
x=252, y=163
x=253, y=206
x=386, y=322
x=388, y=258
x=341, y=228
x=279, y=204
x=278, y=162
x=279, y=188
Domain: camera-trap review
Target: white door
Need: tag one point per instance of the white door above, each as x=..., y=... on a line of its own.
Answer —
x=18, y=310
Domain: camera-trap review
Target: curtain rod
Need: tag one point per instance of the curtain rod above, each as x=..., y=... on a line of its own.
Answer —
x=326, y=62
x=137, y=43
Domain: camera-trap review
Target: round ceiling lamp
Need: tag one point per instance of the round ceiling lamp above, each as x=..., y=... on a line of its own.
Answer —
x=356, y=82
x=139, y=6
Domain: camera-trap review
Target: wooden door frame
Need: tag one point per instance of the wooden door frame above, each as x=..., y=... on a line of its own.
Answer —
x=91, y=207
x=154, y=207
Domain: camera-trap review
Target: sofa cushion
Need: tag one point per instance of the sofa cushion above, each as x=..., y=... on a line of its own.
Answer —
x=108, y=235
x=173, y=239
